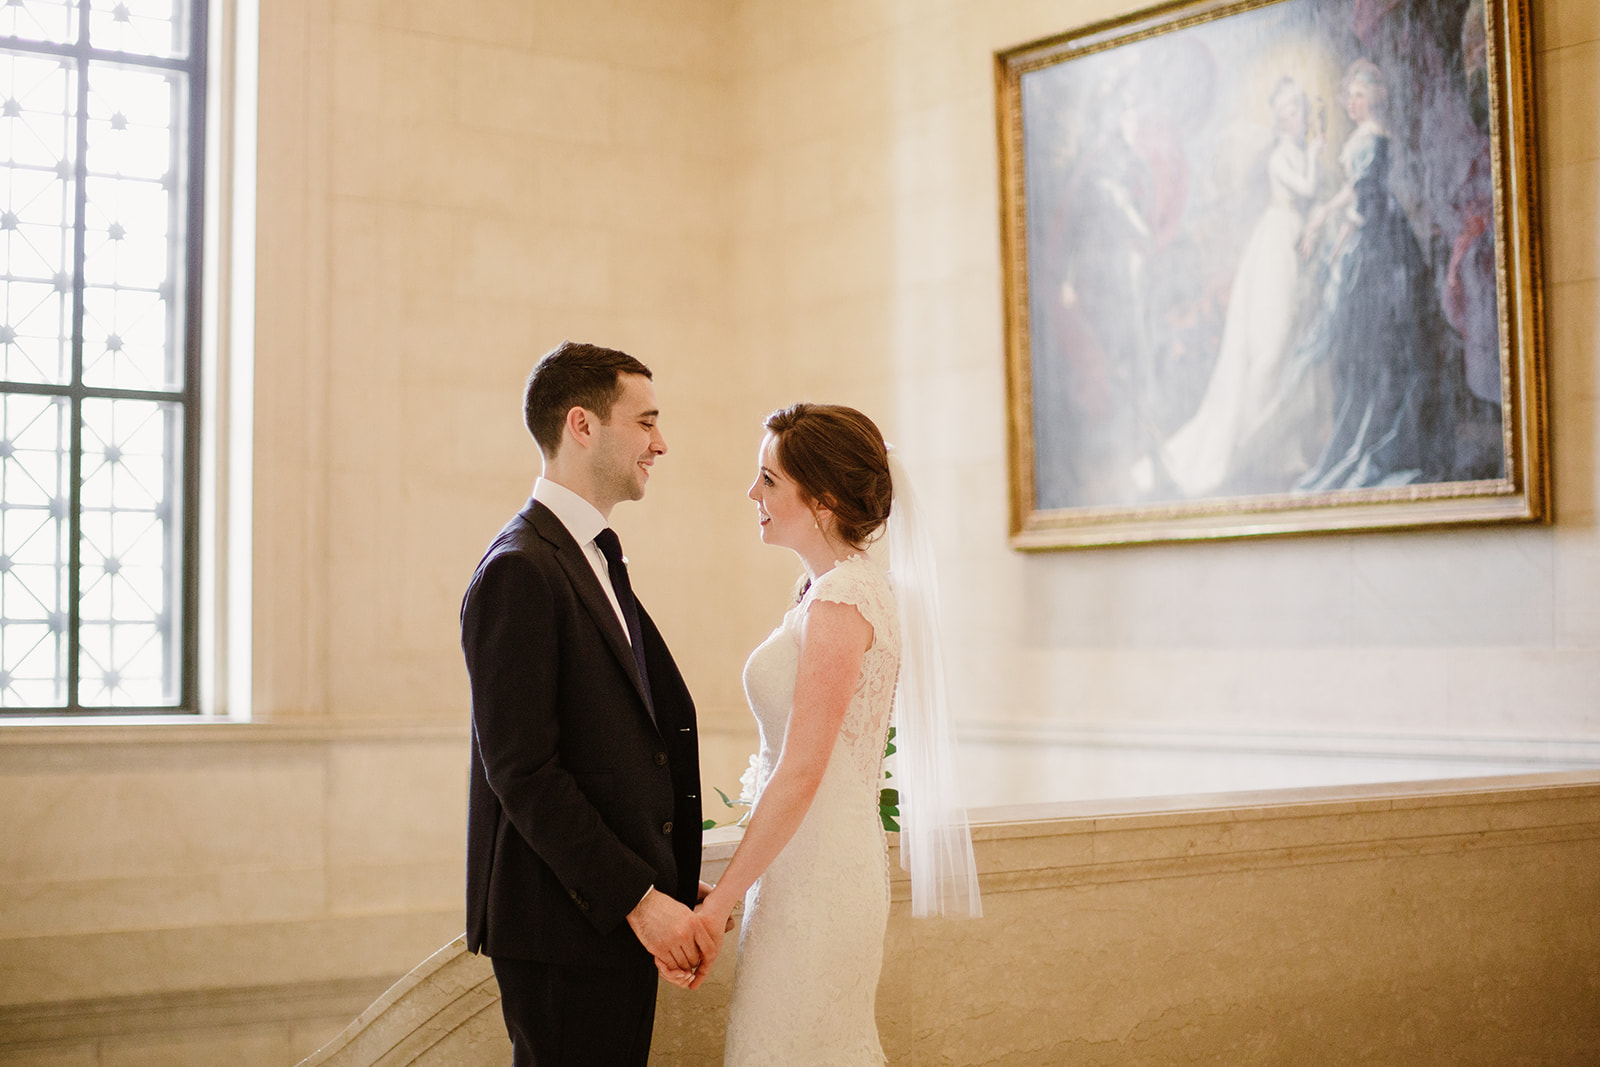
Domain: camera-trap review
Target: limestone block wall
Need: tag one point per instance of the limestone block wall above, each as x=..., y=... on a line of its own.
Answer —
x=217, y=894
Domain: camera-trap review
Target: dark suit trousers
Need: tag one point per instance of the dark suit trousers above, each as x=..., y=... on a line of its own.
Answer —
x=568, y=1016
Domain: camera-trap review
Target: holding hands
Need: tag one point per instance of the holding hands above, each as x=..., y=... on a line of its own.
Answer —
x=710, y=924
x=673, y=934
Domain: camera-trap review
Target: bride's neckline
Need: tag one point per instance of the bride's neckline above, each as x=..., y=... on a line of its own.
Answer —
x=812, y=580
x=854, y=557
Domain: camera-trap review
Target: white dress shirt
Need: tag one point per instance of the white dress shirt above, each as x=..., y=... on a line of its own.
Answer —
x=583, y=521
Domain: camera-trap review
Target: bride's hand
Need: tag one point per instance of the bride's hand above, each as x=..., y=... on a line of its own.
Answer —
x=705, y=891
x=708, y=919
x=675, y=975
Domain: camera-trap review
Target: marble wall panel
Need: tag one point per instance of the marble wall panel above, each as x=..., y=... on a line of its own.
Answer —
x=396, y=803
x=225, y=956
x=162, y=820
x=260, y=1045
x=86, y=1055
x=493, y=21
x=554, y=99
x=1566, y=23
x=1570, y=192
x=201, y=861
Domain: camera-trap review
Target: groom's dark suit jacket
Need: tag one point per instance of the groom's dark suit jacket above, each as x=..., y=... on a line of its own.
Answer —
x=578, y=801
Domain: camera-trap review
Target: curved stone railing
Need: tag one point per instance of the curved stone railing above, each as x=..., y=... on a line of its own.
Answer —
x=1439, y=922
x=445, y=1013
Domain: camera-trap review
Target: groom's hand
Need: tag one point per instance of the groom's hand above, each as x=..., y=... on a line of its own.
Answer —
x=668, y=930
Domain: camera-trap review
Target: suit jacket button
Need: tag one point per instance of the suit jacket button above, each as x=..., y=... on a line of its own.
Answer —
x=666, y=828
x=661, y=759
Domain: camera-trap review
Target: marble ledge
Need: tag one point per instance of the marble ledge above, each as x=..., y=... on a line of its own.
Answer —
x=195, y=729
x=1238, y=833
x=1034, y=847
x=1127, y=813
x=1040, y=820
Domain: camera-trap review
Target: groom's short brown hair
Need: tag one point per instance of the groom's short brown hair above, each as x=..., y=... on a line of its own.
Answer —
x=573, y=375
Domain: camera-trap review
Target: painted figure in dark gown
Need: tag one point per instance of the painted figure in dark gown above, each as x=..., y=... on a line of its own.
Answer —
x=1379, y=324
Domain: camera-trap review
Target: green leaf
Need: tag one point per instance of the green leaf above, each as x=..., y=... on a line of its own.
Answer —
x=889, y=808
x=888, y=747
x=725, y=800
x=709, y=824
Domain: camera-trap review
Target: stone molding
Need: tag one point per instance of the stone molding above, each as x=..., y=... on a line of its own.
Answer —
x=1257, y=831
x=1511, y=748
x=17, y=734
x=73, y=1022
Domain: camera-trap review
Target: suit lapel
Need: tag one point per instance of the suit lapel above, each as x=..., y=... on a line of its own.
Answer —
x=576, y=565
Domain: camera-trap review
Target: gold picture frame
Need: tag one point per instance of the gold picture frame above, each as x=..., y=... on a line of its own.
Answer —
x=1272, y=267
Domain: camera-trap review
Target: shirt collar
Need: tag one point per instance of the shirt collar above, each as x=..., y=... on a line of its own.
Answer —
x=581, y=518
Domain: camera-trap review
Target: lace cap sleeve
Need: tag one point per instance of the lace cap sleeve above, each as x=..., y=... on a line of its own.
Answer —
x=861, y=584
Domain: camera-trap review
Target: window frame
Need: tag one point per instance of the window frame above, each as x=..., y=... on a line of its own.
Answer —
x=188, y=300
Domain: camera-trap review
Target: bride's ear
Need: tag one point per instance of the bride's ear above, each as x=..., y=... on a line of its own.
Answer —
x=820, y=508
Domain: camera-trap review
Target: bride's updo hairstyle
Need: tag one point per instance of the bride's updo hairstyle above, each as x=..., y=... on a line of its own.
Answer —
x=837, y=457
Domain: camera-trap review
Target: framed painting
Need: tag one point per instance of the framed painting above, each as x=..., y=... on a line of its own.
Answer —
x=1271, y=266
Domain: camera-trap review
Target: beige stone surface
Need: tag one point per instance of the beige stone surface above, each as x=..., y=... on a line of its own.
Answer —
x=76, y=1056
x=1442, y=923
x=159, y=860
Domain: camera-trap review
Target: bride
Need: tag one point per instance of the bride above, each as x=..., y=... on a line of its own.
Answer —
x=812, y=867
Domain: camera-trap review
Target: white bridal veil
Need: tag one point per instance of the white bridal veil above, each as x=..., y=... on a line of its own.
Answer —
x=935, y=841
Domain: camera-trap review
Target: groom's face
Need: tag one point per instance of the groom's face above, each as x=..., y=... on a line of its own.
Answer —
x=627, y=443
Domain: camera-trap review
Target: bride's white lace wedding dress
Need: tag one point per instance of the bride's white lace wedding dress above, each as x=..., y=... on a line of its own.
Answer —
x=811, y=945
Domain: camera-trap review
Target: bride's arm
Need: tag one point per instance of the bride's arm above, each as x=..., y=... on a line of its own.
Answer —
x=833, y=639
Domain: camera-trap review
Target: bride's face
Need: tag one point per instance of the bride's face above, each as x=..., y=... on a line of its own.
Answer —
x=786, y=518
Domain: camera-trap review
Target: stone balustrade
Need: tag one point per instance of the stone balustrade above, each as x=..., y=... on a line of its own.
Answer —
x=1438, y=922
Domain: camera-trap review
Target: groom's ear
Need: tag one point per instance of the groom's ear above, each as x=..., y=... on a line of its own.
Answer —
x=579, y=424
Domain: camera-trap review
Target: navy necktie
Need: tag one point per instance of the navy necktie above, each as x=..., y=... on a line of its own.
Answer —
x=611, y=548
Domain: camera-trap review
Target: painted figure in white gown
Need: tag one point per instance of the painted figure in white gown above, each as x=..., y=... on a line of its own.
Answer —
x=812, y=868
x=1261, y=312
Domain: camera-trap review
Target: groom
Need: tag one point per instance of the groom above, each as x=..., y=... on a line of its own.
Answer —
x=583, y=830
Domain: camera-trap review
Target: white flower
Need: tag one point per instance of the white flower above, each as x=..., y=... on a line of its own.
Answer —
x=747, y=781
x=747, y=788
